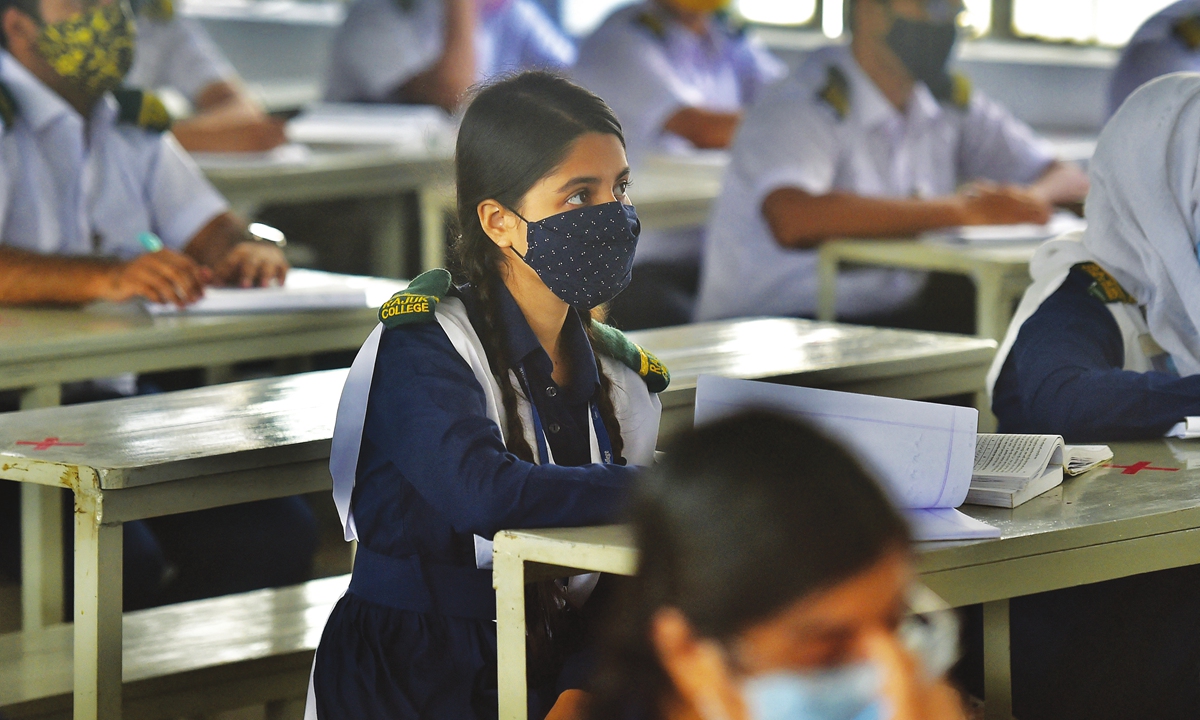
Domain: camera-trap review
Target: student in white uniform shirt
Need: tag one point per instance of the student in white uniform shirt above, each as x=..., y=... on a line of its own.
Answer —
x=429, y=52
x=175, y=52
x=873, y=140
x=85, y=173
x=679, y=76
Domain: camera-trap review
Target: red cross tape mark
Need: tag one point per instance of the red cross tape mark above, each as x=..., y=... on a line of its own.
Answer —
x=48, y=443
x=1137, y=467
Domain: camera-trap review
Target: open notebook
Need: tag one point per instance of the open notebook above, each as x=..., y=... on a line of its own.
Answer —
x=1063, y=222
x=921, y=452
x=304, y=290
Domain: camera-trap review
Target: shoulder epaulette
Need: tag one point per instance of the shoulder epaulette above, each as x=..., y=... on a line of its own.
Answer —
x=1188, y=31
x=836, y=92
x=159, y=10
x=653, y=23
x=143, y=109
x=417, y=302
x=8, y=106
x=960, y=91
x=613, y=343
x=733, y=24
x=1105, y=287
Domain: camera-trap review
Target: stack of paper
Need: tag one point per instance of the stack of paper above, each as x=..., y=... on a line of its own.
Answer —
x=304, y=290
x=921, y=452
x=411, y=127
x=1009, y=234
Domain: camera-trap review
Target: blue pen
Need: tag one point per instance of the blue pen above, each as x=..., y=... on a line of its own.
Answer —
x=150, y=241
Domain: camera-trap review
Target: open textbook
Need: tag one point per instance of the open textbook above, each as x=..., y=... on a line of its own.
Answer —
x=303, y=290
x=921, y=452
x=1013, y=469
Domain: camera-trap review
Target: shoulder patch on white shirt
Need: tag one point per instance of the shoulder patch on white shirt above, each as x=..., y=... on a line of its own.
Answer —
x=836, y=92
x=142, y=108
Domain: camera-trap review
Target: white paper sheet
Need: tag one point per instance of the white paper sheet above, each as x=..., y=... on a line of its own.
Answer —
x=923, y=452
x=417, y=128
x=1008, y=234
x=931, y=524
x=304, y=290
x=1188, y=429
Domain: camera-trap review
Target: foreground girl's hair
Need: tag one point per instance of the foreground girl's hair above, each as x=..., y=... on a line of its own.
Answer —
x=743, y=518
x=514, y=133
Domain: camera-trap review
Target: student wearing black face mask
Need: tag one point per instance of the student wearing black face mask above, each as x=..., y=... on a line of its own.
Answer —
x=873, y=139
x=498, y=403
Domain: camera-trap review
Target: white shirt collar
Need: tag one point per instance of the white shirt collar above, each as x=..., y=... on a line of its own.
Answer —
x=872, y=109
x=40, y=105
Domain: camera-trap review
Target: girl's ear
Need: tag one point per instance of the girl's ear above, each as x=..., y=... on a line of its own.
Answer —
x=501, y=225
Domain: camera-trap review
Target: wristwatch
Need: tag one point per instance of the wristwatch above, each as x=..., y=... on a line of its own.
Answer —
x=266, y=233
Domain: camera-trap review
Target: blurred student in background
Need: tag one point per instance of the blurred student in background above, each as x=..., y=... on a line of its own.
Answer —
x=678, y=76
x=874, y=139
x=175, y=52
x=773, y=582
x=1166, y=43
x=428, y=52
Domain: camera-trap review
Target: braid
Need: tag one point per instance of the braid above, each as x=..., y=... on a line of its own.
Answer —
x=480, y=269
x=604, y=403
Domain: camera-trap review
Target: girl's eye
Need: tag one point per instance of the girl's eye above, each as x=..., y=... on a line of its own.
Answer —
x=623, y=188
x=579, y=198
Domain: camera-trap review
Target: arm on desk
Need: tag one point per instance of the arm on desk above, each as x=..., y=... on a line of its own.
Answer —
x=222, y=246
x=801, y=220
x=228, y=120
x=1062, y=184
x=446, y=82
x=706, y=129
x=165, y=276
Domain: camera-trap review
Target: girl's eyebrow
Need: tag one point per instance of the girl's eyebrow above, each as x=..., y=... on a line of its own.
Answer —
x=574, y=182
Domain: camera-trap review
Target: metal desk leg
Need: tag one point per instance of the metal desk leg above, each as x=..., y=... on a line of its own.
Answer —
x=387, y=248
x=992, y=312
x=827, y=270
x=508, y=575
x=434, y=201
x=41, y=536
x=997, y=662
x=98, y=598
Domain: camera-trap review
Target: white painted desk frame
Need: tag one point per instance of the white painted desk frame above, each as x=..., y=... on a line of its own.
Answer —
x=1101, y=526
x=1000, y=273
x=368, y=171
x=221, y=466
x=41, y=349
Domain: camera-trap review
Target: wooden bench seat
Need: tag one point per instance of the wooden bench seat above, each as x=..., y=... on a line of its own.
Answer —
x=183, y=660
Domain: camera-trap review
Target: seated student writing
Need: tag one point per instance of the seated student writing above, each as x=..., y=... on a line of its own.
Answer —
x=496, y=404
x=176, y=52
x=429, y=52
x=1105, y=345
x=86, y=169
x=679, y=78
x=872, y=140
x=772, y=583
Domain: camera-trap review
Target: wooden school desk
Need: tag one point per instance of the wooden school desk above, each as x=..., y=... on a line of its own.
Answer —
x=1000, y=273
x=40, y=349
x=335, y=172
x=1139, y=515
x=219, y=445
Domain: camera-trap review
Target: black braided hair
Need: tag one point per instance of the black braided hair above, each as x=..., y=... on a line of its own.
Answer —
x=514, y=133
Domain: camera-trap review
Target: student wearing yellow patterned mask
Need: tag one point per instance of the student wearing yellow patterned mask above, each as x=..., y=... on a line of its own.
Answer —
x=99, y=202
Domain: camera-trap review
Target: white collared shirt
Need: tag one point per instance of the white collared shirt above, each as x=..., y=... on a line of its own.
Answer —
x=177, y=54
x=381, y=46
x=795, y=139
x=648, y=76
x=67, y=194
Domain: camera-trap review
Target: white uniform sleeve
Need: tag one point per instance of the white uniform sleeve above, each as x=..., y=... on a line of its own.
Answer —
x=787, y=142
x=628, y=67
x=180, y=200
x=543, y=45
x=177, y=54
x=756, y=68
x=996, y=146
x=380, y=47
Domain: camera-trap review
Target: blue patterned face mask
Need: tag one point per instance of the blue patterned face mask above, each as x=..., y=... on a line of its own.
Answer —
x=585, y=256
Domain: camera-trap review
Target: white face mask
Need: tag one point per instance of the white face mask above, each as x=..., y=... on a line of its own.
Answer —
x=850, y=692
